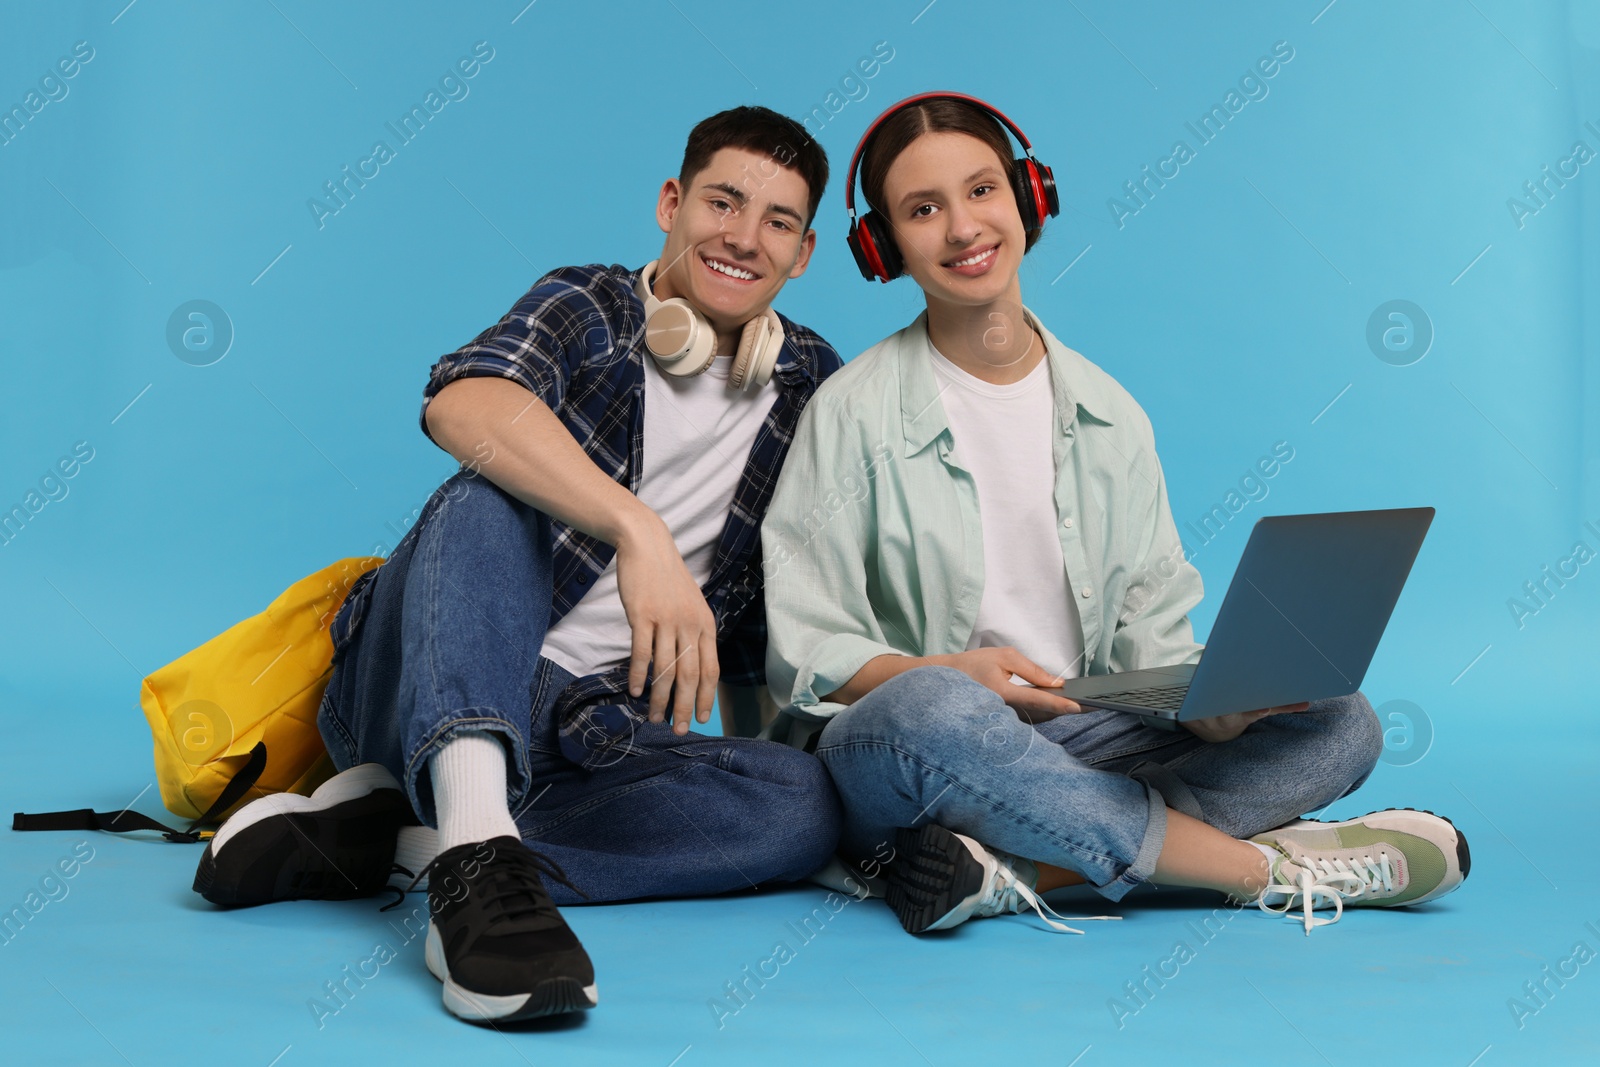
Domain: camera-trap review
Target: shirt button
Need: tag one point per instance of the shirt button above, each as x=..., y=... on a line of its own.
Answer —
x=1086, y=591
x=583, y=579
x=1067, y=523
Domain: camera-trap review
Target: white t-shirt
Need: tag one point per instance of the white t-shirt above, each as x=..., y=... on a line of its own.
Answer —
x=1003, y=435
x=697, y=438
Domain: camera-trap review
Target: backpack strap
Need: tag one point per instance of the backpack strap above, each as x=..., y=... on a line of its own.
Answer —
x=119, y=822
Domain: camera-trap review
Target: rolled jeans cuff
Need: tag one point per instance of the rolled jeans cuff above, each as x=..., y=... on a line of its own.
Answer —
x=418, y=782
x=1144, y=864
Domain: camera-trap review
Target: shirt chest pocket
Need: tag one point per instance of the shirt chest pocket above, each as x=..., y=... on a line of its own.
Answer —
x=925, y=560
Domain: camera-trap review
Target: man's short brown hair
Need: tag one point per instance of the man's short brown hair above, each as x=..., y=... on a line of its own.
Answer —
x=763, y=130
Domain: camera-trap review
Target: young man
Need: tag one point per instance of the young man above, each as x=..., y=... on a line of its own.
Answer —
x=591, y=574
x=1007, y=525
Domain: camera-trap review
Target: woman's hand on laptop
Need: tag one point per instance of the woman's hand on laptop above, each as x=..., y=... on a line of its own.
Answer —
x=1227, y=727
x=993, y=668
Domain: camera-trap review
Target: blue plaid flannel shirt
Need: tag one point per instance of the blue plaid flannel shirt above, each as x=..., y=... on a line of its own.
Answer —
x=576, y=340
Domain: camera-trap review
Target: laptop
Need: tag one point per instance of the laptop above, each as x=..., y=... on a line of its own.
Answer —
x=1300, y=621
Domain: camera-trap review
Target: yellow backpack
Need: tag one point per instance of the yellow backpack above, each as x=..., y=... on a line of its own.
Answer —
x=236, y=718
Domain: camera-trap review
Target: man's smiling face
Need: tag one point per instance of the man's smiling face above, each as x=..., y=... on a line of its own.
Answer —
x=735, y=233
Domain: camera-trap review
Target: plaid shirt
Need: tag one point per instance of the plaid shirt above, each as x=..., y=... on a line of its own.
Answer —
x=576, y=341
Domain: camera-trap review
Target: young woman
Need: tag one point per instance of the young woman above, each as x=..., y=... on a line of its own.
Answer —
x=972, y=511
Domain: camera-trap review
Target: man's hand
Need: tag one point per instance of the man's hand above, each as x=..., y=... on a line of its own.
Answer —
x=993, y=667
x=672, y=625
x=1227, y=727
x=509, y=435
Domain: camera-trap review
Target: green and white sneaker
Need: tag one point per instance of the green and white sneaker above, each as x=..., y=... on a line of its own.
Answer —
x=1385, y=859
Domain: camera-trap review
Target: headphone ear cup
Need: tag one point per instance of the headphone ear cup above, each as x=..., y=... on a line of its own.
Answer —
x=1026, y=191
x=1047, y=181
x=858, y=248
x=759, y=346
x=883, y=241
x=682, y=343
x=1035, y=188
x=875, y=256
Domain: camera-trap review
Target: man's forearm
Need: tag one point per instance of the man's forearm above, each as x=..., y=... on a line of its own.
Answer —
x=503, y=431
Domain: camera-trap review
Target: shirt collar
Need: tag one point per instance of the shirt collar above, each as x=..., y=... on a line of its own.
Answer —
x=923, y=416
x=794, y=368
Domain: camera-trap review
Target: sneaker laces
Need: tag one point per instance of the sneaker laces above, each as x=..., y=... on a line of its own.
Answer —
x=400, y=894
x=1333, y=880
x=504, y=887
x=1006, y=894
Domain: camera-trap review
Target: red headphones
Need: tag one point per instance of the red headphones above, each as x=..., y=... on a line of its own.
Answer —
x=870, y=239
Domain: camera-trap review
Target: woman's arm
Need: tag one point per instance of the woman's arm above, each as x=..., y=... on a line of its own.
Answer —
x=816, y=539
x=990, y=667
x=826, y=648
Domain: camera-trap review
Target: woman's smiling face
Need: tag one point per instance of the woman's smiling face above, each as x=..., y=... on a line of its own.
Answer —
x=955, y=220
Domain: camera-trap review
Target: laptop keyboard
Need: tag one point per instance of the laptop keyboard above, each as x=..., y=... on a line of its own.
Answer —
x=1163, y=697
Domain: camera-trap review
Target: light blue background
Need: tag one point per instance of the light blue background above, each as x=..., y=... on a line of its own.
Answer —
x=1234, y=307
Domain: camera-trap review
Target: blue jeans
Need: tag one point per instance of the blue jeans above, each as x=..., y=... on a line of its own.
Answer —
x=1087, y=792
x=444, y=637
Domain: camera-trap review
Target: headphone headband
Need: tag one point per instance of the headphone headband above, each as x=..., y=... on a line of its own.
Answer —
x=870, y=238
x=855, y=158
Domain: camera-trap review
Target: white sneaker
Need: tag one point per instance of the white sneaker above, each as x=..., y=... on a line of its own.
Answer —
x=1383, y=859
x=939, y=880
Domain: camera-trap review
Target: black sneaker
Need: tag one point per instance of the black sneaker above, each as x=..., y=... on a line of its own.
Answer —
x=939, y=879
x=495, y=939
x=336, y=844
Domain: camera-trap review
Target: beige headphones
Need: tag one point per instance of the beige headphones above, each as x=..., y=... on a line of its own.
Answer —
x=684, y=344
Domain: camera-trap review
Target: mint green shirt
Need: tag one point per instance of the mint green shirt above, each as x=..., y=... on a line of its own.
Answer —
x=873, y=542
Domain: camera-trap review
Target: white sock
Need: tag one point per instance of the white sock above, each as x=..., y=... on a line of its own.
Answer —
x=414, y=850
x=1273, y=855
x=469, y=790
